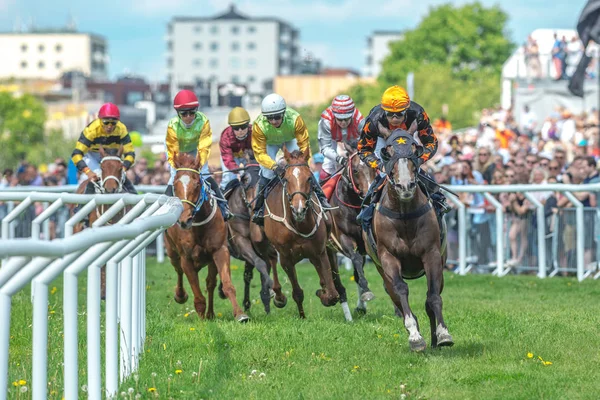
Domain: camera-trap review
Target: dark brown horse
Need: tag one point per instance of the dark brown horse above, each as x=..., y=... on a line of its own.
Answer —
x=240, y=242
x=407, y=234
x=298, y=228
x=346, y=235
x=198, y=239
x=110, y=181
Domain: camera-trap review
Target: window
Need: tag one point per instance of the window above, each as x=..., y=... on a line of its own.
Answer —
x=235, y=30
x=58, y=65
x=197, y=46
x=198, y=62
x=235, y=46
x=41, y=48
x=23, y=64
x=214, y=29
x=235, y=63
x=58, y=48
x=251, y=29
x=23, y=47
x=214, y=63
x=198, y=28
x=251, y=45
x=251, y=63
x=41, y=65
x=214, y=46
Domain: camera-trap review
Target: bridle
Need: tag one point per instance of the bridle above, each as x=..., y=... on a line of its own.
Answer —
x=99, y=186
x=290, y=196
x=403, y=152
x=202, y=196
x=348, y=176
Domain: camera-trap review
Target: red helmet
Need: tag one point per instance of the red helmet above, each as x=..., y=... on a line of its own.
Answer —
x=342, y=106
x=109, y=110
x=185, y=99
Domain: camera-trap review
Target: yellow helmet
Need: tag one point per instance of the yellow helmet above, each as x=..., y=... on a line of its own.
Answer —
x=395, y=99
x=238, y=116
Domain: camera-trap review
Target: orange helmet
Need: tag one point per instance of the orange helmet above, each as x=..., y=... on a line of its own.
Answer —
x=395, y=99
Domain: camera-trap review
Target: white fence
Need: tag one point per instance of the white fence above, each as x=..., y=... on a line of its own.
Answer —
x=120, y=246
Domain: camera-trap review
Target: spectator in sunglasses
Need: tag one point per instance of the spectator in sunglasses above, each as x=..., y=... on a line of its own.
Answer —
x=235, y=143
x=190, y=132
x=339, y=124
x=276, y=126
x=107, y=130
x=396, y=111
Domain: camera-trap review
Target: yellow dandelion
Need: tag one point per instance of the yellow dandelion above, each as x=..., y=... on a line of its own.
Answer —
x=15, y=383
x=547, y=362
x=396, y=335
x=178, y=371
x=52, y=312
x=234, y=267
x=152, y=390
x=352, y=278
x=54, y=290
x=164, y=346
x=53, y=393
x=26, y=113
x=378, y=336
x=219, y=315
x=529, y=355
x=192, y=329
x=187, y=314
x=22, y=382
x=147, y=287
x=356, y=367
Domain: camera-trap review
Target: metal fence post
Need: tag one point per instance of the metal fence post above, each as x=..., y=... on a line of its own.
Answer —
x=499, y=213
x=580, y=234
x=541, y=233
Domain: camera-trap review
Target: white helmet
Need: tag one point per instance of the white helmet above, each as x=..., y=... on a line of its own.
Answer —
x=273, y=104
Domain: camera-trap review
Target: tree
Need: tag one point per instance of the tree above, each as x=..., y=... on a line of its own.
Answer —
x=470, y=38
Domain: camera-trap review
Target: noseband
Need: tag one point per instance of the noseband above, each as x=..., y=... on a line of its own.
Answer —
x=349, y=176
x=120, y=181
x=202, y=196
x=402, y=142
x=307, y=196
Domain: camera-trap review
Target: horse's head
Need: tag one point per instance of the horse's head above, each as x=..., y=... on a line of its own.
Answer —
x=187, y=186
x=113, y=174
x=402, y=167
x=359, y=174
x=297, y=182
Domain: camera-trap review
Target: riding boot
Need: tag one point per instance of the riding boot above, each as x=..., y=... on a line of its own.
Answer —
x=221, y=202
x=259, y=212
x=169, y=191
x=128, y=186
x=320, y=195
x=437, y=197
x=368, y=205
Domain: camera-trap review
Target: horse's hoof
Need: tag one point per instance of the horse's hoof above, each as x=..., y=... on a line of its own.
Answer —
x=418, y=345
x=210, y=315
x=319, y=292
x=367, y=296
x=445, y=340
x=280, y=303
x=181, y=300
x=242, y=318
x=222, y=293
x=361, y=311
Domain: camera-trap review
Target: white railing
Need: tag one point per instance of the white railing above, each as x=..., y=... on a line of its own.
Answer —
x=487, y=191
x=120, y=246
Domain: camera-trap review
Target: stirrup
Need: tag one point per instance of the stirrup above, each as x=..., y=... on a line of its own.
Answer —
x=259, y=218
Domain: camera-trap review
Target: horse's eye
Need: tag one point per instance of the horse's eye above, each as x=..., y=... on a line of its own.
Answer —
x=355, y=171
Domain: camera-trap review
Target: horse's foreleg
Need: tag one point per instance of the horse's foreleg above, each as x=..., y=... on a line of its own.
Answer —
x=328, y=294
x=398, y=291
x=221, y=259
x=337, y=281
x=180, y=295
x=280, y=300
x=211, y=284
x=192, y=276
x=297, y=292
x=249, y=255
x=358, y=262
x=433, y=305
x=247, y=279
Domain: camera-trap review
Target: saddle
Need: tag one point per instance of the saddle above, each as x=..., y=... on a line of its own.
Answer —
x=329, y=186
x=234, y=183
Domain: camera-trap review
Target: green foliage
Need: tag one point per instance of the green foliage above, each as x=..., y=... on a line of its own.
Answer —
x=22, y=132
x=495, y=323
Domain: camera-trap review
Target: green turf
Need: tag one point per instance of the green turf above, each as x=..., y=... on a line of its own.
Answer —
x=495, y=323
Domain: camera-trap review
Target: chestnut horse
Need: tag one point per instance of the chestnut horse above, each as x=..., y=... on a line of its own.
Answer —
x=298, y=228
x=111, y=180
x=198, y=239
x=346, y=235
x=407, y=234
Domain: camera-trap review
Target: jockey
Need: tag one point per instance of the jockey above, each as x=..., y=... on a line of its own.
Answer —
x=396, y=111
x=190, y=132
x=339, y=123
x=277, y=125
x=109, y=132
x=235, y=139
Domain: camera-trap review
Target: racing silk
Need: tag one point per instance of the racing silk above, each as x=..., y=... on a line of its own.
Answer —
x=330, y=133
x=94, y=135
x=232, y=148
x=370, y=133
x=263, y=134
x=197, y=137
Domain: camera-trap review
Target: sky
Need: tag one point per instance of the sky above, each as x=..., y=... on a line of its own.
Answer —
x=333, y=30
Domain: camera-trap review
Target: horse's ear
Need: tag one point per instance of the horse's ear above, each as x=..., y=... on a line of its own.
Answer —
x=385, y=132
x=417, y=150
x=348, y=148
x=197, y=161
x=306, y=154
x=413, y=127
x=286, y=153
x=120, y=152
x=101, y=151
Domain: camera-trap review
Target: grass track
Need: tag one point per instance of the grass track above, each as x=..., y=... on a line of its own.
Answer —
x=495, y=322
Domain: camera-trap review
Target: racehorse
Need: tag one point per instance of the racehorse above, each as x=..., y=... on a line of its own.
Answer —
x=296, y=225
x=111, y=180
x=239, y=239
x=349, y=190
x=407, y=235
x=198, y=239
